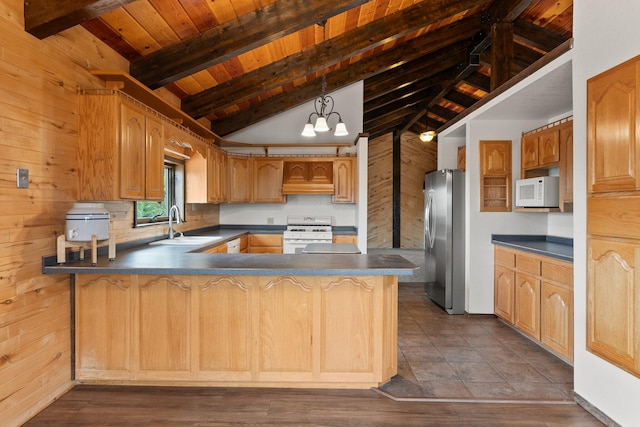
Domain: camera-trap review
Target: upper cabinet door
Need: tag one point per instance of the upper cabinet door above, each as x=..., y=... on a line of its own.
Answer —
x=132, y=153
x=612, y=135
x=154, y=159
x=529, y=151
x=549, y=147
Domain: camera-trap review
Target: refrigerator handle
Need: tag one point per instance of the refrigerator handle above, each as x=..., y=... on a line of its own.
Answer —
x=429, y=223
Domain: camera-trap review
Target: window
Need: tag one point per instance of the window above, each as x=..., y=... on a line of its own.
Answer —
x=152, y=213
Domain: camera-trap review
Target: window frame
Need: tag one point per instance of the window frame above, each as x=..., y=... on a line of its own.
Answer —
x=175, y=194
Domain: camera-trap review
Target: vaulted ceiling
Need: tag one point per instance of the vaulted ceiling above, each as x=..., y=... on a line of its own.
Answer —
x=236, y=62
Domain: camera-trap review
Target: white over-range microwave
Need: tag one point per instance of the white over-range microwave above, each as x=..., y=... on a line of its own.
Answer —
x=540, y=192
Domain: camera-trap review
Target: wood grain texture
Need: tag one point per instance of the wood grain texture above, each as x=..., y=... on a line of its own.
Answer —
x=417, y=159
x=380, y=187
x=39, y=129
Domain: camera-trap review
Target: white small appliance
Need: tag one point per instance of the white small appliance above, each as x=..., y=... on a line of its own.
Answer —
x=540, y=192
x=85, y=220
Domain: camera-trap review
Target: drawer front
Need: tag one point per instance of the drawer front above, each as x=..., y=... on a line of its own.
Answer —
x=265, y=240
x=528, y=264
x=505, y=257
x=558, y=272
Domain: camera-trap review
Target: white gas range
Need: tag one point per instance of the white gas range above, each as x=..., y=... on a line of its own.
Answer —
x=302, y=230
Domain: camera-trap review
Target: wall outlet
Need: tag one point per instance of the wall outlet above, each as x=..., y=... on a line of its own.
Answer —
x=22, y=178
x=270, y=220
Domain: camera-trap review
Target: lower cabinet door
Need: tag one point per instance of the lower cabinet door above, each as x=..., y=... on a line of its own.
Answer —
x=504, y=298
x=557, y=319
x=527, y=316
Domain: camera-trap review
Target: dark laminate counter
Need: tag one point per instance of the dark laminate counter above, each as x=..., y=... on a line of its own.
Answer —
x=146, y=259
x=555, y=247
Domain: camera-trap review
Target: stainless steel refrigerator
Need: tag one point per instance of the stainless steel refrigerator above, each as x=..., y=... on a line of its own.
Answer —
x=444, y=239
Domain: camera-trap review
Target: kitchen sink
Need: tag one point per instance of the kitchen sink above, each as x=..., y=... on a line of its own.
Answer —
x=188, y=241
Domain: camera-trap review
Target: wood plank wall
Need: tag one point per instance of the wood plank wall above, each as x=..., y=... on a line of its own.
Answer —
x=416, y=159
x=38, y=131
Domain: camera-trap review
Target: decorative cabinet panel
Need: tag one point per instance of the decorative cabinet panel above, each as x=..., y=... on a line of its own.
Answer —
x=613, y=236
x=120, y=149
x=303, y=176
x=265, y=243
x=535, y=294
x=546, y=149
x=103, y=326
x=504, y=292
x=240, y=180
x=344, y=178
x=267, y=180
x=613, y=302
x=206, y=176
x=495, y=176
x=527, y=311
x=244, y=330
x=612, y=123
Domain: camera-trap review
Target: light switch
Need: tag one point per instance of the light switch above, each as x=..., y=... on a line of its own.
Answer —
x=22, y=178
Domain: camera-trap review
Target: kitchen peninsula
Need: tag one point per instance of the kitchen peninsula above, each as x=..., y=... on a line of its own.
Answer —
x=160, y=315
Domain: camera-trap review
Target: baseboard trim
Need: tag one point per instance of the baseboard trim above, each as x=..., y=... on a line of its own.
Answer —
x=587, y=406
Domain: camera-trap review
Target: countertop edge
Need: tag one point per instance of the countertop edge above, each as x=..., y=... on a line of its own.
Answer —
x=555, y=247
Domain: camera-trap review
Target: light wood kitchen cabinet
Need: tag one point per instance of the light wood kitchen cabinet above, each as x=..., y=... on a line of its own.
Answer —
x=265, y=243
x=240, y=179
x=103, y=326
x=344, y=179
x=206, y=176
x=345, y=239
x=267, y=180
x=613, y=237
x=535, y=294
x=566, y=167
x=120, y=149
x=527, y=306
x=219, y=249
x=495, y=176
x=504, y=288
x=308, y=176
x=242, y=330
x=244, y=244
x=546, y=149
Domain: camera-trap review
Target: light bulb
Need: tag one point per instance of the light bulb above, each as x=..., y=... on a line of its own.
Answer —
x=321, y=125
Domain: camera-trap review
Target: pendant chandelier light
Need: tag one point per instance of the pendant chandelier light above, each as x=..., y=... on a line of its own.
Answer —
x=323, y=106
x=428, y=135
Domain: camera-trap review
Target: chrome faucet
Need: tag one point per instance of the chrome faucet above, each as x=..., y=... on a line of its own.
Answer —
x=178, y=220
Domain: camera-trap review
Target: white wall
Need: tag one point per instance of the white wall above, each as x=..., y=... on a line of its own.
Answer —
x=285, y=128
x=606, y=34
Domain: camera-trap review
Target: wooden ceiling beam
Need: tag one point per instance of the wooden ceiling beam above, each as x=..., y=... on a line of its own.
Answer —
x=342, y=48
x=537, y=36
x=405, y=91
x=460, y=98
x=397, y=78
x=234, y=38
x=501, y=53
x=44, y=18
x=400, y=103
x=361, y=70
x=479, y=81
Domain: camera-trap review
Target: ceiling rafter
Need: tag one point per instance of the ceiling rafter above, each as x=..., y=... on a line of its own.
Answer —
x=44, y=18
x=233, y=38
x=343, y=47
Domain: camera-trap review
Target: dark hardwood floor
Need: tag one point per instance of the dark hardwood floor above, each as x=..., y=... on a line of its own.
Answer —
x=453, y=370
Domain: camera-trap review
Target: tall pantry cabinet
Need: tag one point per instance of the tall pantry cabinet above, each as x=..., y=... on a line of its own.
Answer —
x=613, y=222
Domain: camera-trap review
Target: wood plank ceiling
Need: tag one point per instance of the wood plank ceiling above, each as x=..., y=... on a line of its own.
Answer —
x=236, y=62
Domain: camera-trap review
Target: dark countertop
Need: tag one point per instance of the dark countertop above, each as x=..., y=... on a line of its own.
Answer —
x=331, y=248
x=165, y=259
x=552, y=246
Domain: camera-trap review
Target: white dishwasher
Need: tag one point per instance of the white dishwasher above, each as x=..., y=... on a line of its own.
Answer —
x=233, y=246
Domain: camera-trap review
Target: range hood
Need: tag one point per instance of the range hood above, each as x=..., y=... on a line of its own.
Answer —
x=303, y=176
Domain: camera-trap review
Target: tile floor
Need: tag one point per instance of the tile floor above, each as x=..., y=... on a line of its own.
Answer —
x=474, y=357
